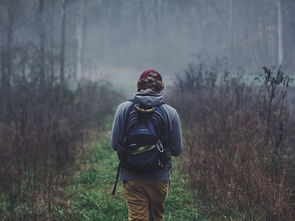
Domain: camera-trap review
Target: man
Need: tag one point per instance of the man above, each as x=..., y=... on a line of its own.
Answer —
x=146, y=191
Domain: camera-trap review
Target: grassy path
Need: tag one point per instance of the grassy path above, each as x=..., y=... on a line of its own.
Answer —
x=89, y=194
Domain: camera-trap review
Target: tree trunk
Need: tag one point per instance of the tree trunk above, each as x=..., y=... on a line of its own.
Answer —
x=9, y=42
x=42, y=42
x=280, y=33
x=51, y=43
x=157, y=19
x=79, y=39
x=230, y=29
x=63, y=41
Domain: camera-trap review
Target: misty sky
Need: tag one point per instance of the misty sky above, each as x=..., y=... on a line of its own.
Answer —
x=131, y=36
x=121, y=38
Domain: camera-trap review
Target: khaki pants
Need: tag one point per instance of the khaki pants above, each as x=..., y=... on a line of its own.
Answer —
x=145, y=199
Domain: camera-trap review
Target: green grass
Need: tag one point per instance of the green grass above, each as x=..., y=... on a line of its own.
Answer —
x=89, y=195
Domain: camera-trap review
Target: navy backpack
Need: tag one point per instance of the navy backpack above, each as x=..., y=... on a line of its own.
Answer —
x=143, y=148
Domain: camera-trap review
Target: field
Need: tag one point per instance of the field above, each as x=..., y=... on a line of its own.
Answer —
x=89, y=192
x=238, y=162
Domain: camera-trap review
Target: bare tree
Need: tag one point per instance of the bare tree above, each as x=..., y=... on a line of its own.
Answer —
x=42, y=41
x=63, y=40
x=80, y=38
x=280, y=33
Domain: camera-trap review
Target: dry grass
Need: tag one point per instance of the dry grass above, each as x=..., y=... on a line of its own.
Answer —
x=239, y=149
x=40, y=141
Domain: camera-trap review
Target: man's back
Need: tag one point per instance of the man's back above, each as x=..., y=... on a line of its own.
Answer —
x=174, y=140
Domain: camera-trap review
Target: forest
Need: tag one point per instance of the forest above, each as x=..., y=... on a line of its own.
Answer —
x=228, y=67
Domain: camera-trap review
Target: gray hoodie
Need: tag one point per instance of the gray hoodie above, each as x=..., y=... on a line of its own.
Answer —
x=148, y=99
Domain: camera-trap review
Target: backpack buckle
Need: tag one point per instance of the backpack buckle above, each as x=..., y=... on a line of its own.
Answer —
x=160, y=146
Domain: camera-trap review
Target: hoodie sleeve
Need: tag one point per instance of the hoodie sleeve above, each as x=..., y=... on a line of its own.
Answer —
x=119, y=125
x=175, y=142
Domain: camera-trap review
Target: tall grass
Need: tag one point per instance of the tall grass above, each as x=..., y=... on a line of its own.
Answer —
x=39, y=142
x=42, y=128
x=239, y=140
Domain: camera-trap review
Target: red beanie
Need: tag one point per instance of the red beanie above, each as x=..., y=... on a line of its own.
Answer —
x=151, y=73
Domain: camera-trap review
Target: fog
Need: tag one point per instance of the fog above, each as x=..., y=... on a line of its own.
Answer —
x=165, y=34
x=66, y=65
x=119, y=38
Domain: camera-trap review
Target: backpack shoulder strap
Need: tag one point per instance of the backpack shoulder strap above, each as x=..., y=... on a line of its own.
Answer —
x=161, y=111
x=128, y=111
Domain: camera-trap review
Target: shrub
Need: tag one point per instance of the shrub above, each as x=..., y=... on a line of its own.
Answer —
x=40, y=138
x=238, y=140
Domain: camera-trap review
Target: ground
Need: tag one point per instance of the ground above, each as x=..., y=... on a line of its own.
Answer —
x=89, y=192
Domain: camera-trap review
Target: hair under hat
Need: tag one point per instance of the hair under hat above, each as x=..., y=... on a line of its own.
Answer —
x=150, y=79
